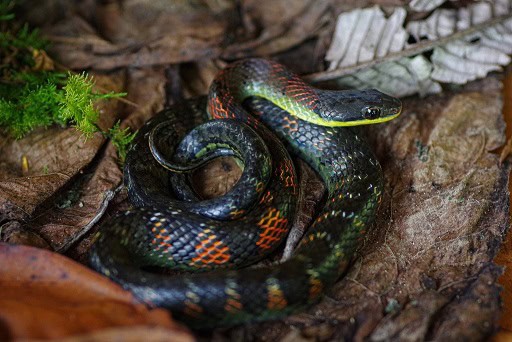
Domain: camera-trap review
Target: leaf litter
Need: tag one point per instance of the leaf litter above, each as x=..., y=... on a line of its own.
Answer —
x=369, y=49
x=426, y=270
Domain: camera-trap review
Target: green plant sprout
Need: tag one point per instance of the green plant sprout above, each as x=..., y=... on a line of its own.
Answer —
x=121, y=139
x=31, y=98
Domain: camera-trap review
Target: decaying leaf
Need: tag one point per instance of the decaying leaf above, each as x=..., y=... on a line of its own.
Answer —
x=405, y=77
x=34, y=168
x=37, y=169
x=63, y=221
x=45, y=295
x=369, y=50
x=146, y=33
x=285, y=24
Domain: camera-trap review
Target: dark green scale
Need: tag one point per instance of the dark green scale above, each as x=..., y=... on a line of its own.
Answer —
x=341, y=158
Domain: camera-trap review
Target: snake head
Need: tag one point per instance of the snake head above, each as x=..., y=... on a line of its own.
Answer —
x=356, y=107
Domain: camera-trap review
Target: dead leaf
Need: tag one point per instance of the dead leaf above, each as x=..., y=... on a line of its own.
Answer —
x=425, y=5
x=42, y=61
x=130, y=334
x=13, y=233
x=154, y=34
x=504, y=258
x=44, y=295
x=285, y=24
x=372, y=50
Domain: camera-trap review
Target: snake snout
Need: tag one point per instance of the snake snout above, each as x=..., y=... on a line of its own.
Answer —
x=391, y=106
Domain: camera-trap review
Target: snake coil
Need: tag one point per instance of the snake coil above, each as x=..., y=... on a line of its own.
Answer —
x=171, y=226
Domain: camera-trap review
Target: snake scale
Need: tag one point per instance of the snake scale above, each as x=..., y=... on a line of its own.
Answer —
x=171, y=226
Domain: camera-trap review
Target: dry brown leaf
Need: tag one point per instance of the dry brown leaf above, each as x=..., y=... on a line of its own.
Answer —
x=35, y=169
x=45, y=295
x=504, y=258
x=107, y=35
x=129, y=334
x=42, y=61
x=147, y=33
x=284, y=24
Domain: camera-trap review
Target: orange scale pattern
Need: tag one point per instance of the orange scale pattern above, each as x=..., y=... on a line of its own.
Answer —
x=273, y=226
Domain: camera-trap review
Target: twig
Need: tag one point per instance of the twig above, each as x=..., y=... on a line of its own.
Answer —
x=109, y=195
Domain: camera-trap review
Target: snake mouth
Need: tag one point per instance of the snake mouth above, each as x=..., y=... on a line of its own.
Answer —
x=392, y=107
x=360, y=122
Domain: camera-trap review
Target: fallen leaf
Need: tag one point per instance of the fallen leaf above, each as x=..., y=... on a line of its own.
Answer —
x=151, y=33
x=504, y=258
x=370, y=49
x=42, y=61
x=37, y=168
x=130, y=334
x=285, y=24
x=425, y=5
x=44, y=295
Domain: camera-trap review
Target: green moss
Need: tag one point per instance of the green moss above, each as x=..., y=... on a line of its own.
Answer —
x=121, y=139
x=37, y=100
x=31, y=99
x=25, y=106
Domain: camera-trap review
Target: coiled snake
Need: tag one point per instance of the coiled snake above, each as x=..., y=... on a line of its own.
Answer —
x=172, y=227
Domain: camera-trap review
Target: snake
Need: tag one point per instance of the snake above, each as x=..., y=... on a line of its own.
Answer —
x=199, y=257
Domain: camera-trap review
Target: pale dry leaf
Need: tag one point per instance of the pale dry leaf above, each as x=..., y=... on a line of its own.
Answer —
x=369, y=49
x=473, y=56
x=425, y=5
x=404, y=77
x=364, y=34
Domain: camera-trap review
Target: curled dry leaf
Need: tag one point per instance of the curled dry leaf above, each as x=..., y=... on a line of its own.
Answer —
x=285, y=24
x=45, y=295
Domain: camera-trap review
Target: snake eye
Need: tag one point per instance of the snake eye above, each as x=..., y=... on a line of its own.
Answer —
x=371, y=113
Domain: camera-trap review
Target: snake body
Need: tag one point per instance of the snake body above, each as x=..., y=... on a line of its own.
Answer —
x=172, y=227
